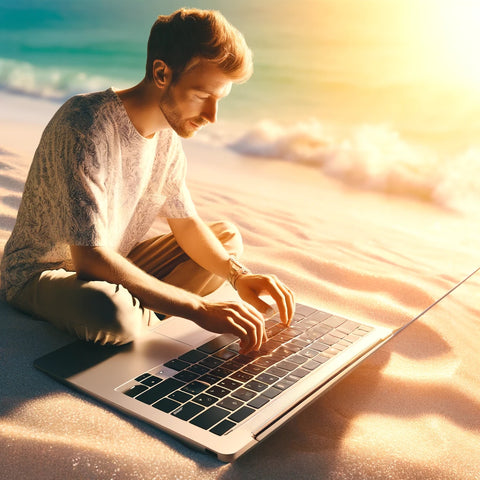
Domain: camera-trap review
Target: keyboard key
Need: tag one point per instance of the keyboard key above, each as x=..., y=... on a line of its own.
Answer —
x=300, y=372
x=209, y=378
x=177, y=364
x=352, y=338
x=299, y=342
x=347, y=327
x=210, y=417
x=320, y=346
x=218, y=392
x=217, y=343
x=220, y=372
x=286, y=365
x=222, y=427
x=198, y=369
x=311, y=365
x=266, y=361
x=309, y=353
x=275, y=330
x=151, y=380
x=166, y=405
x=284, y=384
x=211, y=362
x=298, y=359
x=141, y=377
x=279, y=372
x=290, y=378
x=334, y=321
x=225, y=354
x=253, y=369
x=241, y=414
x=329, y=339
x=180, y=396
x=135, y=390
x=304, y=309
x=272, y=392
x=267, y=378
x=321, y=358
x=186, y=376
x=241, y=376
x=187, y=411
x=256, y=386
x=205, y=400
x=159, y=391
x=232, y=365
x=230, y=403
x=195, y=387
x=229, y=384
x=258, y=402
x=243, y=394
x=193, y=356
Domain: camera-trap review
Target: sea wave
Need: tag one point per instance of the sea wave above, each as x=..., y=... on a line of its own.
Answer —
x=373, y=157
x=53, y=83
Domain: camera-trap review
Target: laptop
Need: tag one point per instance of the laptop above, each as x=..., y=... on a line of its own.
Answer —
x=194, y=384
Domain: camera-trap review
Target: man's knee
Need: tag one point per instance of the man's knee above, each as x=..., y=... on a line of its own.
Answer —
x=115, y=317
x=228, y=233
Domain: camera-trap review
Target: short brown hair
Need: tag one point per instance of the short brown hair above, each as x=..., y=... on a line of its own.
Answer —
x=190, y=34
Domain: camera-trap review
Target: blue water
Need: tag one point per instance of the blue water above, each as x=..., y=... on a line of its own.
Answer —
x=313, y=58
x=338, y=84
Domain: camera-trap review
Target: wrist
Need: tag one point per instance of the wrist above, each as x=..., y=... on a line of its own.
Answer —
x=236, y=270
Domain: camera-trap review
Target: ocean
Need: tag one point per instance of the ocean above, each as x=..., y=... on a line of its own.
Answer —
x=380, y=94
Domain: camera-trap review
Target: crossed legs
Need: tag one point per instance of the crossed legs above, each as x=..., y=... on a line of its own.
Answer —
x=102, y=312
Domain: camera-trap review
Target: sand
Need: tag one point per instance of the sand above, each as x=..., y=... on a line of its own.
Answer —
x=411, y=411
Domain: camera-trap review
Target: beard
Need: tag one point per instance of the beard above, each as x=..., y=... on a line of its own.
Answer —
x=184, y=127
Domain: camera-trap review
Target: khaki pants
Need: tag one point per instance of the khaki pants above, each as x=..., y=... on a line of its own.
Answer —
x=101, y=312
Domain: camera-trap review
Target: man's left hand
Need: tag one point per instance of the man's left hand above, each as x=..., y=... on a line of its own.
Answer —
x=250, y=287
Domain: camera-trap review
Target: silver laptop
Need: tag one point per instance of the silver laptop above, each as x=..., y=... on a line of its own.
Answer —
x=194, y=385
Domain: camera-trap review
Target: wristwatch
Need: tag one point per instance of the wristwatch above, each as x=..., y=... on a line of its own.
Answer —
x=236, y=271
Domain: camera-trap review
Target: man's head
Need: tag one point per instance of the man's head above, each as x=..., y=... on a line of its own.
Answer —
x=189, y=35
x=194, y=56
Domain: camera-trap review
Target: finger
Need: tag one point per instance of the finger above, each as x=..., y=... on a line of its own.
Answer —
x=290, y=298
x=259, y=322
x=251, y=322
x=282, y=296
x=289, y=302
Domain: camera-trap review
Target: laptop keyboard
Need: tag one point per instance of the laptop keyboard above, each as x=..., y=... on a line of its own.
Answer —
x=215, y=388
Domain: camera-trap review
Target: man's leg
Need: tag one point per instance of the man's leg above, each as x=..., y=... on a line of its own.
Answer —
x=96, y=311
x=105, y=313
x=163, y=258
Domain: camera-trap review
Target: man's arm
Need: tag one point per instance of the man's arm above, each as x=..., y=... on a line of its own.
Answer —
x=200, y=244
x=101, y=263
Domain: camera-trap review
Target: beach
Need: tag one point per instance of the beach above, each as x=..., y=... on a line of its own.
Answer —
x=411, y=411
x=350, y=162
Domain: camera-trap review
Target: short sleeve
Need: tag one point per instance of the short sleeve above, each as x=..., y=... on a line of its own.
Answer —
x=82, y=196
x=178, y=202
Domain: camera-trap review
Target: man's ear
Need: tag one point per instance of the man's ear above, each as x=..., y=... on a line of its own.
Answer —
x=162, y=73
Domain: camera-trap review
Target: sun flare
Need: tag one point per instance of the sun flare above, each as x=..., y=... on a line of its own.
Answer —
x=454, y=38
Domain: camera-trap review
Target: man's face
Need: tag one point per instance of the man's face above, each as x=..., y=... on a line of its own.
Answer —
x=192, y=101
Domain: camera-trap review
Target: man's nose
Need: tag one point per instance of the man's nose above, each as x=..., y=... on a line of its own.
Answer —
x=210, y=110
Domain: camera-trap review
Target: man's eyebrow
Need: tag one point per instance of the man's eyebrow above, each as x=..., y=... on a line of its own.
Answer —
x=212, y=94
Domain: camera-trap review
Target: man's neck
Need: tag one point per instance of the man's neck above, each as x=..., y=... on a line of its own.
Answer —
x=141, y=105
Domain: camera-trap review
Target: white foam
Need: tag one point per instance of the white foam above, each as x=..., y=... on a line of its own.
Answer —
x=47, y=82
x=373, y=157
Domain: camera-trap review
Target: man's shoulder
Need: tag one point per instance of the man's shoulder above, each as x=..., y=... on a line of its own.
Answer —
x=84, y=111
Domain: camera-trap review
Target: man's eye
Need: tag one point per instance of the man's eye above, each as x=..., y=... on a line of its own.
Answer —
x=201, y=97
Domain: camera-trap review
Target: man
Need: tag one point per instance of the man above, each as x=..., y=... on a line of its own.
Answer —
x=107, y=165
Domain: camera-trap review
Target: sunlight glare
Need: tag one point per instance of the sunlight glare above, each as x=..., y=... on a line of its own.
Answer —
x=455, y=38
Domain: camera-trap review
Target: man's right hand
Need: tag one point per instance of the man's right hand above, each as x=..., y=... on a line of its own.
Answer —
x=238, y=318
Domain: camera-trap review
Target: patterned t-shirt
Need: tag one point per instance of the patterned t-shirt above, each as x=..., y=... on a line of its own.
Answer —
x=94, y=181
